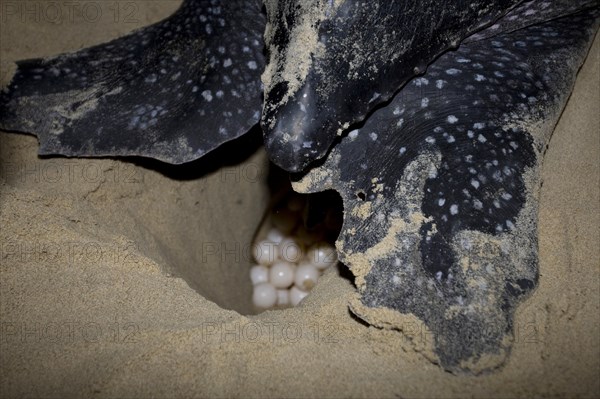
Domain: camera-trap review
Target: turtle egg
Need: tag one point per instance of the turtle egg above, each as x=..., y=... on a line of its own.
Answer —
x=306, y=276
x=322, y=255
x=264, y=296
x=284, y=219
x=281, y=275
x=290, y=250
x=283, y=297
x=259, y=274
x=265, y=253
x=307, y=237
x=297, y=295
x=295, y=203
x=274, y=235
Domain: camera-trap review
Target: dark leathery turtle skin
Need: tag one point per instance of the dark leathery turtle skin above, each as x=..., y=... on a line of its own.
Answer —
x=429, y=118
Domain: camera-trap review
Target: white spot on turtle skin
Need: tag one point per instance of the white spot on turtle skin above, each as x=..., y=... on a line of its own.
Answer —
x=477, y=204
x=452, y=119
x=481, y=138
x=421, y=82
x=397, y=111
x=252, y=65
x=373, y=136
x=227, y=63
x=475, y=183
x=438, y=276
x=219, y=94
x=441, y=201
x=400, y=122
x=510, y=225
x=453, y=71
x=506, y=196
x=478, y=125
x=451, y=139
x=307, y=144
x=194, y=89
x=470, y=134
x=375, y=97
x=440, y=83
x=430, y=140
x=479, y=78
x=207, y=95
x=353, y=134
x=424, y=102
x=402, y=150
x=453, y=209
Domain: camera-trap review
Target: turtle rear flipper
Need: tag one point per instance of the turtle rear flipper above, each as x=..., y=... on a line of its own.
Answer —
x=441, y=188
x=171, y=91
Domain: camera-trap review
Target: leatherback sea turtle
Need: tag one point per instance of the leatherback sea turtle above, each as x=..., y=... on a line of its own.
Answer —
x=430, y=118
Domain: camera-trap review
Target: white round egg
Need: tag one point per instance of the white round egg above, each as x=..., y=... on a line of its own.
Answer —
x=265, y=252
x=306, y=276
x=322, y=255
x=291, y=250
x=281, y=275
x=283, y=297
x=297, y=295
x=275, y=235
x=284, y=220
x=259, y=274
x=308, y=237
x=264, y=296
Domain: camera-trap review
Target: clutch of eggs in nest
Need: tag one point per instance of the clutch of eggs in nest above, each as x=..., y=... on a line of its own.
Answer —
x=292, y=250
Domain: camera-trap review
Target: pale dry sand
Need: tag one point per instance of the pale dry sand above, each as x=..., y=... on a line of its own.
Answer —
x=90, y=249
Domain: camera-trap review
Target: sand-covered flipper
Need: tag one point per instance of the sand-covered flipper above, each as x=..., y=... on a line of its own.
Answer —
x=172, y=91
x=441, y=186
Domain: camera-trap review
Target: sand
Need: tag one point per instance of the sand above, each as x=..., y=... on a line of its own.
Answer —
x=129, y=279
